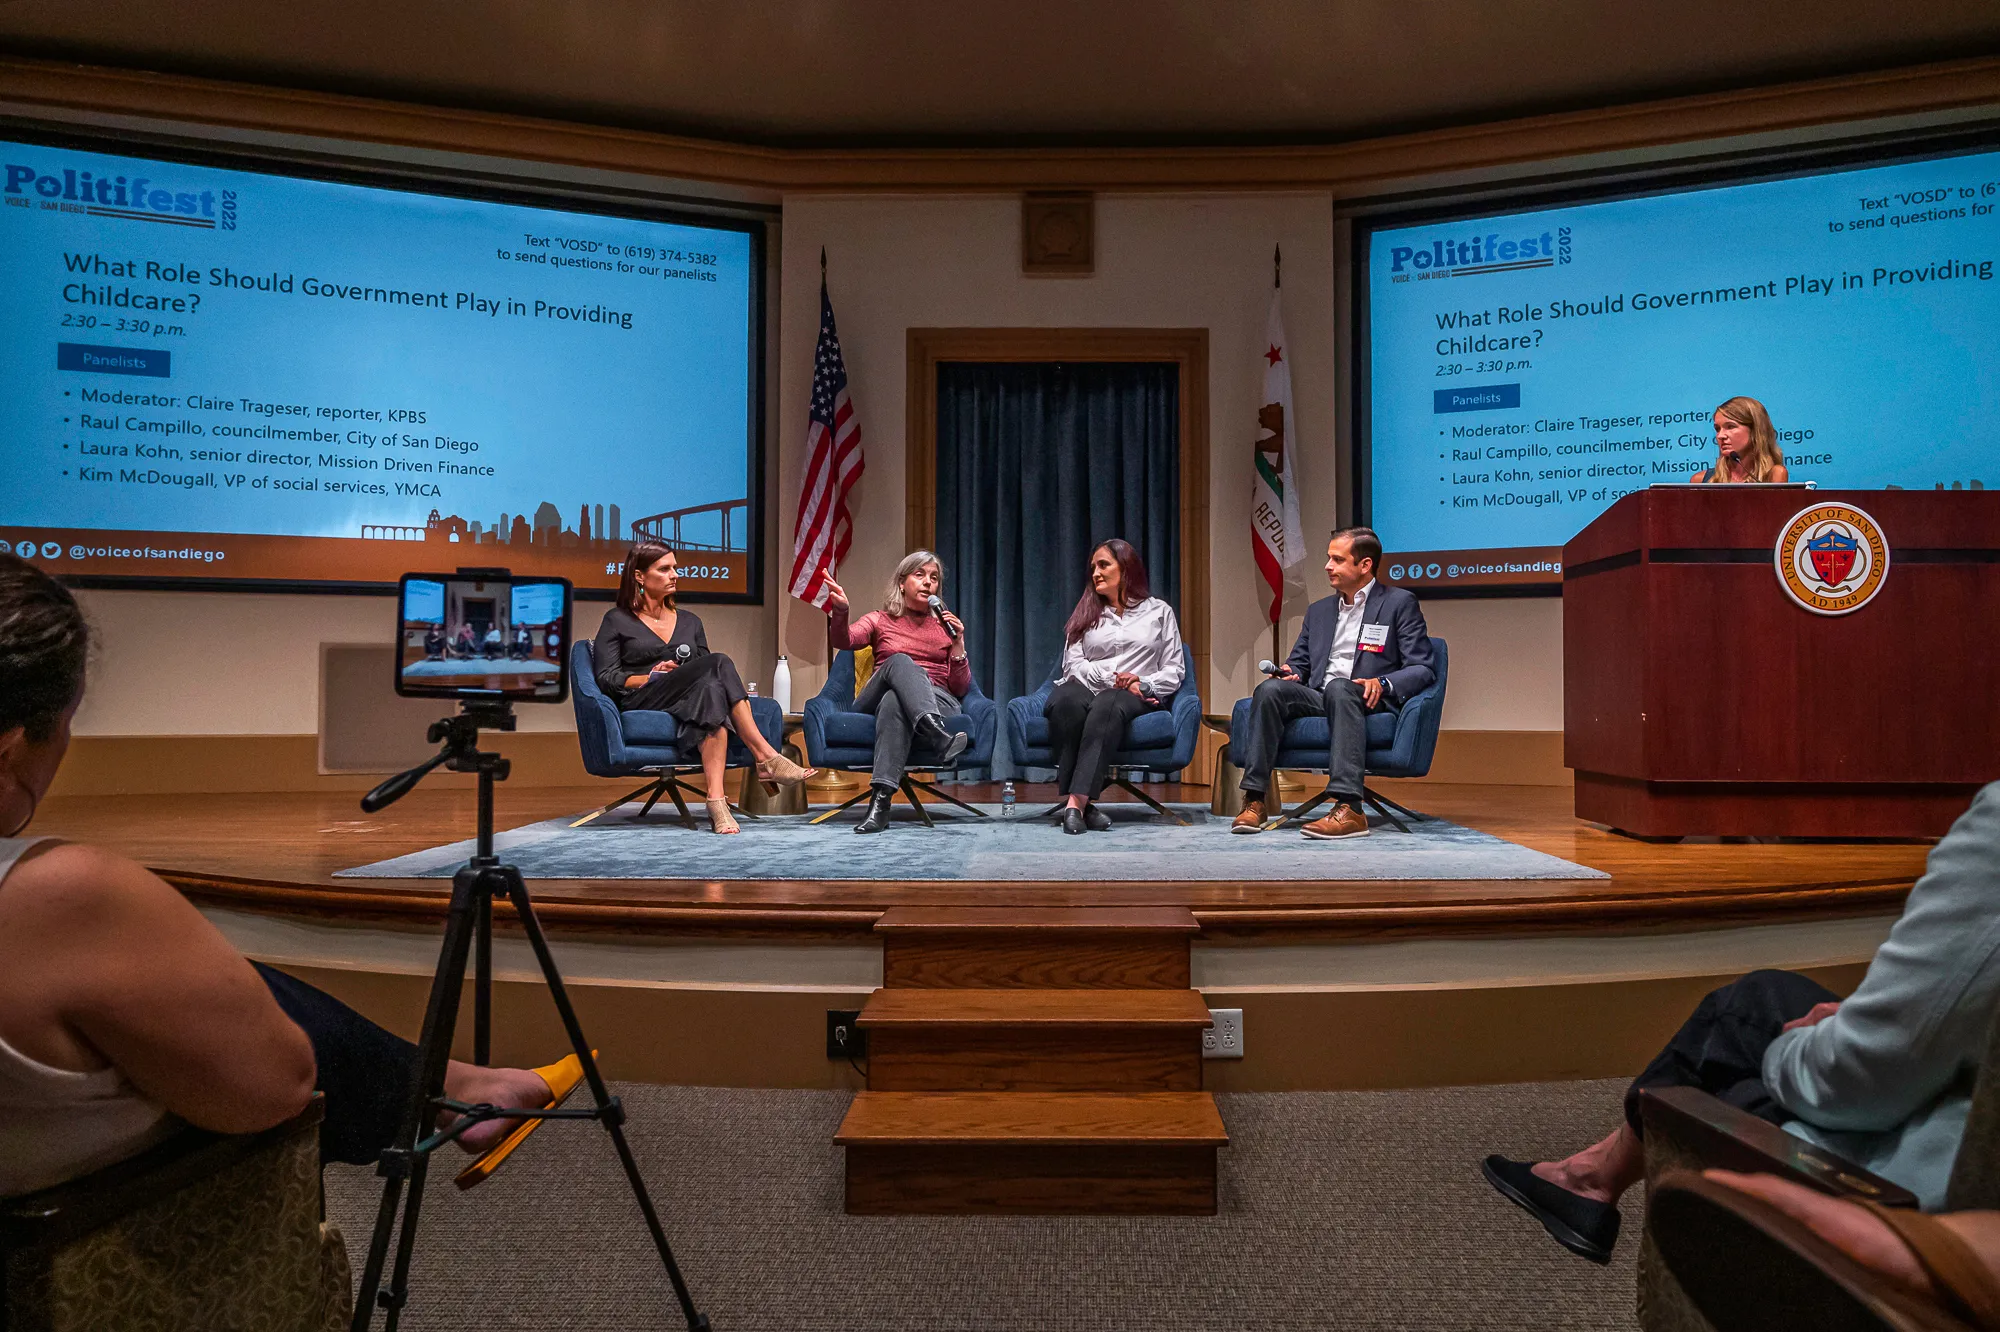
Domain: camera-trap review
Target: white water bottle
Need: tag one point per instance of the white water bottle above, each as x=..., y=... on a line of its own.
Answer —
x=781, y=684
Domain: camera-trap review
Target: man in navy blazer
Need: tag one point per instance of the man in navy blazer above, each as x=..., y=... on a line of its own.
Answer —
x=1362, y=650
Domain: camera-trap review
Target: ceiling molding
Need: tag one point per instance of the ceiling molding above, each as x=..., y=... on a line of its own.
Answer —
x=1349, y=170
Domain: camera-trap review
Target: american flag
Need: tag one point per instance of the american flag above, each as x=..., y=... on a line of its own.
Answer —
x=833, y=465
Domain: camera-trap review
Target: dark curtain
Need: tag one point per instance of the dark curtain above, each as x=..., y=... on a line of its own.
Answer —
x=1036, y=465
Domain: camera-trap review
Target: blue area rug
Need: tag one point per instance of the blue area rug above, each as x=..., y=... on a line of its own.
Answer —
x=1141, y=846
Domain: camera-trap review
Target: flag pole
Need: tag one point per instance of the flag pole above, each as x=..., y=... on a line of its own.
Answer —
x=1278, y=603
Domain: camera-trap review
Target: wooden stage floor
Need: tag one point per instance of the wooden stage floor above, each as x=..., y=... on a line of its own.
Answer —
x=279, y=853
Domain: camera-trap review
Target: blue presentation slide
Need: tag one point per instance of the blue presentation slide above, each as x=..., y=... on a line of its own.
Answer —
x=1526, y=370
x=239, y=375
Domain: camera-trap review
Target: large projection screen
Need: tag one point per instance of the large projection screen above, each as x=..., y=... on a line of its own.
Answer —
x=1522, y=370
x=236, y=373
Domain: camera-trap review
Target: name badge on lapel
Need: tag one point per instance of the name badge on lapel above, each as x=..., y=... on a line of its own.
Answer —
x=1373, y=636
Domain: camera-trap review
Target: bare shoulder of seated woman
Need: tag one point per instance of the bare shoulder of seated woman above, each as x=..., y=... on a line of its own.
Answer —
x=102, y=962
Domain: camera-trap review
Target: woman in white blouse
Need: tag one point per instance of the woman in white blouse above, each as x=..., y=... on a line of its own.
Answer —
x=1122, y=657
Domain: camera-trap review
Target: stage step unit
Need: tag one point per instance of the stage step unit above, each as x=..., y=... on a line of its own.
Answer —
x=1041, y=1153
x=1034, y=1060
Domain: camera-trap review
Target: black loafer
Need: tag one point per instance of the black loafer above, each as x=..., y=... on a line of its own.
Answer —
x=1584, y=1226
x=1072, y=821
x=1096, y=819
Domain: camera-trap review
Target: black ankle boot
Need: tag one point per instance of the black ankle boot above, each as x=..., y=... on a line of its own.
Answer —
x=949, y=744
x=877, y=817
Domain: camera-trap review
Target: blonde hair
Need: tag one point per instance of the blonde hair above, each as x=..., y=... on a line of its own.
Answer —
x=892, y=600
x=1764, y=455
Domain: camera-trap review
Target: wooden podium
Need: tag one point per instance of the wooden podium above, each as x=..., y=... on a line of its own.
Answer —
x=1701, y=697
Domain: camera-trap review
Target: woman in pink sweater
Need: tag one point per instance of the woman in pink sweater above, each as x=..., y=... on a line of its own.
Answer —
x=921, y=674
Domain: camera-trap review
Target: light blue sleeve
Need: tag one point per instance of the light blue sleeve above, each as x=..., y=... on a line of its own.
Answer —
x=1918, y=1020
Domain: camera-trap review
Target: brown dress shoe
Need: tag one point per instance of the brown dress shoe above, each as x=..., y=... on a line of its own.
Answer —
x=1344, y=821
x=1251, y=819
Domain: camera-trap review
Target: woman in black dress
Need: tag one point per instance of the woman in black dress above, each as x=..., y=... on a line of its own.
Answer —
x=652, y=656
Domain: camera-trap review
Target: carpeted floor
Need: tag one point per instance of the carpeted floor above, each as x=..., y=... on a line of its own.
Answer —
x=1141, y=845
x=1348, y=1210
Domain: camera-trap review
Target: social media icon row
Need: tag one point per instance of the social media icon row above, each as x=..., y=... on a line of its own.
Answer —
x=1398, y=571
x=26, y=549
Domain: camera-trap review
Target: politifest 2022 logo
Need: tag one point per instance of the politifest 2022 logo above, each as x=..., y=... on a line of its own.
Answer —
x=1832, y=558
x=148, y=192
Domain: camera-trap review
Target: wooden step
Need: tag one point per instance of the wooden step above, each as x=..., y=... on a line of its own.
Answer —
x=1034, y=1040
x=888, y=1009
x=1037, y=947
x=961, y=1154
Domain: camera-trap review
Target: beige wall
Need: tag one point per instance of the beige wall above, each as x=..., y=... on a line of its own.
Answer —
x=185, y=664
x=234, y=663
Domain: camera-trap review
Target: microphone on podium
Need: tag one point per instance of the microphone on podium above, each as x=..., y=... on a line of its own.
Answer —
x=937, y=608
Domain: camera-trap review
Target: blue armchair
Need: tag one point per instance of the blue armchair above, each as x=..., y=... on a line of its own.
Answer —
x=838, y=737
x=1400, y=743
x=648, y=744
x=1161, y=741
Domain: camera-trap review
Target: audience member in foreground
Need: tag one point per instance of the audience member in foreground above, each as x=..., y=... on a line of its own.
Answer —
x=123, y=1012
x=1122, y=657
x=921, y=674
x=1883, y=1077
x=653, y=656
x=1755, y=1252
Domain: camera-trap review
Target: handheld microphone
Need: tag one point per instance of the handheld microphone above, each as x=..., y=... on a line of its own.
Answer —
x=682, y=653
x=1269, y=667
x=937, y=609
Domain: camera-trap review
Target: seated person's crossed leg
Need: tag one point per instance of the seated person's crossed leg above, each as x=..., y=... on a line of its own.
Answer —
x=1882, y=1078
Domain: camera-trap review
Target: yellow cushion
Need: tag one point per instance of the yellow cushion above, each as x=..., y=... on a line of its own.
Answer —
x=864, y=666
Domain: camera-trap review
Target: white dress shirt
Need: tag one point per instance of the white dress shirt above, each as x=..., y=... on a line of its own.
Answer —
x=1347, y=636
x=1142, y=640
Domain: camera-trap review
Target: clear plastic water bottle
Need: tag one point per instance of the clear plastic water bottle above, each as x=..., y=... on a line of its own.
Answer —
x=751, y=689
x=1007, y=800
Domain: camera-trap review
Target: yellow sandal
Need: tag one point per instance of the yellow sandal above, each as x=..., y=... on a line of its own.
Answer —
x=564, y=1077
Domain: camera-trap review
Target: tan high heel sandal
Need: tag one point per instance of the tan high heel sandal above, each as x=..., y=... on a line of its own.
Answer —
x=777, y=771
x=719, y=818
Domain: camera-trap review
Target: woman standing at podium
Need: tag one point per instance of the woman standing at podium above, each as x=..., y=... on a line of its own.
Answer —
x=653, y=656
x=1746, y=447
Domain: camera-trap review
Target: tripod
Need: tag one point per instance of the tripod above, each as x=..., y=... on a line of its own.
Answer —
x=469, y=930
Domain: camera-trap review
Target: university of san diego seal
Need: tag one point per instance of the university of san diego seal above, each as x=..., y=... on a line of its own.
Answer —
x=1832, y=558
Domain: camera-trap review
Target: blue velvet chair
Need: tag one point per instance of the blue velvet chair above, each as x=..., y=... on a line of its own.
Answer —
x=647, y=744
x=1400, y=743
x=1159, y=741
x=840, y=738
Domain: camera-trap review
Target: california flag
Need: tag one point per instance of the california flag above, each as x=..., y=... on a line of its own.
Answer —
x=1275, y=538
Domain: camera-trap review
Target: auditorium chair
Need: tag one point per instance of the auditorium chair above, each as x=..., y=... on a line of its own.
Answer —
x=1161, y=741
x=203, y=1233
x=1689, y=1130
x=1401, y=743
x=647, y=744
x=842, y=739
